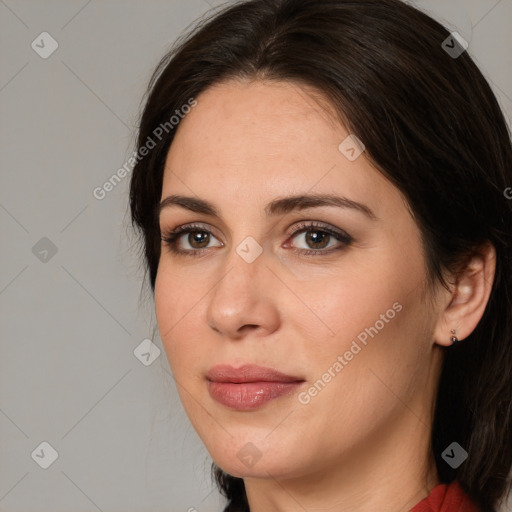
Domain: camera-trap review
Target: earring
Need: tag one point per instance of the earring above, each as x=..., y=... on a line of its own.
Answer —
x=454, y=338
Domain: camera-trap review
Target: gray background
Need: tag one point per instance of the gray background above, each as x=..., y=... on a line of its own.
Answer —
x=72, y=320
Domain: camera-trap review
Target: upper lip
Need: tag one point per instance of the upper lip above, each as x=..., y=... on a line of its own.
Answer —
x=248, y=373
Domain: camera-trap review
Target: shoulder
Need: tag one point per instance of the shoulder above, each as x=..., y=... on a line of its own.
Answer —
x=446, y=498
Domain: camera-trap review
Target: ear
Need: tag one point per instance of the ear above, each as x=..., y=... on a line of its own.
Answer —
x=464, y=305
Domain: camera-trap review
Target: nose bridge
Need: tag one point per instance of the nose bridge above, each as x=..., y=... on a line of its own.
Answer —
x=243, y=268
x=240, y=296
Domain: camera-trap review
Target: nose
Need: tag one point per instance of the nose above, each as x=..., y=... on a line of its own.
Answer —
x=245, y=298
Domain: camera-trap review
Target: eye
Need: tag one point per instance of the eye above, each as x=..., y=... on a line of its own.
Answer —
x=317, y=236
x=198, y=239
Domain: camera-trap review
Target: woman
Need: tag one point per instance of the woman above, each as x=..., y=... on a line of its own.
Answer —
x=321, y=195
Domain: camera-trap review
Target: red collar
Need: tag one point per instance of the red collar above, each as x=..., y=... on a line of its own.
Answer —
x=446, y=498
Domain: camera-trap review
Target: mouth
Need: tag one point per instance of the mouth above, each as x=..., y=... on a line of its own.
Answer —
x=250, y=386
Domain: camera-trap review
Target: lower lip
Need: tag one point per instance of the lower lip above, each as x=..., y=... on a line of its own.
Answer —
x=249, y=395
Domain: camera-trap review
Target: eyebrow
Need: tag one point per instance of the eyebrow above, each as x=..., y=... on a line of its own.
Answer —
x=276, y=207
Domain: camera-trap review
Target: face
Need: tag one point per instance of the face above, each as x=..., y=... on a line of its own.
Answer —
x=328, y=293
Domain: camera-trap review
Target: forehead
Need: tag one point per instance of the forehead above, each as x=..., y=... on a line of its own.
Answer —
x=262, y=114
x=246, y=141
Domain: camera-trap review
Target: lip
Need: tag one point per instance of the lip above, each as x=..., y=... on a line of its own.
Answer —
x=248, y=373
x=249, y=386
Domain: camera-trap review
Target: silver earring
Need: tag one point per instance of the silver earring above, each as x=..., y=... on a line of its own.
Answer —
x=454, y=338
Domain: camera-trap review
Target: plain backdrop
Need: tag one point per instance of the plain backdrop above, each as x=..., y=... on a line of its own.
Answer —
x=115, y=437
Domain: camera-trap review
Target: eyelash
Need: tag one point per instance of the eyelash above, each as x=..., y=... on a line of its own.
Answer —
x=170, y=239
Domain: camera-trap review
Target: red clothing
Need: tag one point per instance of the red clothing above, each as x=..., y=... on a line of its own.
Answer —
x=446, y=498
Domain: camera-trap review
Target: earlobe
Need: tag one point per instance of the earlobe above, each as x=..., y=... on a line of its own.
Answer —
x=466, y=303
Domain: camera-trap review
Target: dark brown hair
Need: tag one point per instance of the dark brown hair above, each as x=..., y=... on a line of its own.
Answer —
x=430, y=123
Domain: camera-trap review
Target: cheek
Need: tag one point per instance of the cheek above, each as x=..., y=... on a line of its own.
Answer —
x=336, y=308
x=174, y=307
x=176, y=293
x=179, y=332
x=376, y=363
x=373, y=316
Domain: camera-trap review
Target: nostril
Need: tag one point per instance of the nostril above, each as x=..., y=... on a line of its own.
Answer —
x=249, y=327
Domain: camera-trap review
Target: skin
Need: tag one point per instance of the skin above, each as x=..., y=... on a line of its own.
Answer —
x=362, y=443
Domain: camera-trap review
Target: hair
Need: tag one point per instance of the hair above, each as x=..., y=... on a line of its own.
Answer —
x=430, y=124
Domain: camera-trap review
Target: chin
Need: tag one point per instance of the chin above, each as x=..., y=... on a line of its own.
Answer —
x=243, y=458
x=258, y=469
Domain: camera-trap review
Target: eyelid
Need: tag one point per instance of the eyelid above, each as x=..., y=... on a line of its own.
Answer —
x=296, y=227
x=194, y=226
x=171, y=237
x=310, y=225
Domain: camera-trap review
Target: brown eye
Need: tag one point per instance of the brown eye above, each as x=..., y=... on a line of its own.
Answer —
x=198, y=237
x=317, y=238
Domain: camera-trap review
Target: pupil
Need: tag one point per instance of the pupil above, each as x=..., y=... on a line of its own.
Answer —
x=197, y=236
x=315, y=239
